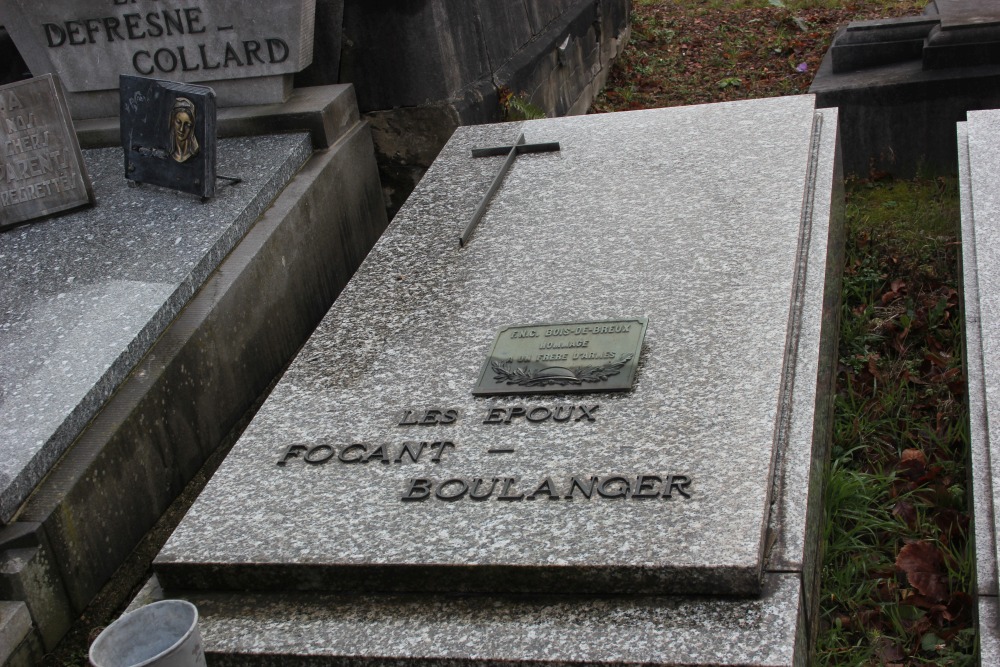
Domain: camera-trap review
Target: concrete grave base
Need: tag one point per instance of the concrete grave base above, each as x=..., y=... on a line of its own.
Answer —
x=325, y=112
x=302, y=550
x=232, y=337
x=298, y=629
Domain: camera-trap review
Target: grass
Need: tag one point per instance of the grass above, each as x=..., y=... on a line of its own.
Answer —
x=897, y=568
x=693, y=52
x=900, y=443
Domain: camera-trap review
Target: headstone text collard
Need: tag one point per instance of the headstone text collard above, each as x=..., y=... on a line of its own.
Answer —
x=184, y=40
x=41, y=167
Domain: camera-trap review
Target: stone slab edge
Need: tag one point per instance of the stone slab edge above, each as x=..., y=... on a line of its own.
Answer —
x=989, y=637
x=302, y=629
x=324, y=111
x=980, y=478
x=797, y=516
x=210, y=365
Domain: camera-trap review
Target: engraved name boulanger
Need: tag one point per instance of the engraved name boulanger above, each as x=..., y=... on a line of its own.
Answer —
x=645, y=486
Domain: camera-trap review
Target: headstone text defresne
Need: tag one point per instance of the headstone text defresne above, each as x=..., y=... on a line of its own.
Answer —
x=91, y=42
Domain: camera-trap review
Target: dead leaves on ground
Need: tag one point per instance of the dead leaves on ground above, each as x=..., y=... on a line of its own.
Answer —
x=686, y=55
x=903, y=380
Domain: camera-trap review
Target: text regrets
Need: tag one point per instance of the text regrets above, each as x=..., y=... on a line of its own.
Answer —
x=40, y=168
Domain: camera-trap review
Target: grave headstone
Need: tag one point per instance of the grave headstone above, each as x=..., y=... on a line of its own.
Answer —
x=168, y=134
x=248, y=52
x=41, y=169
x=979, y=169
x=700, y=244
x=901, y=84
x=136, y=335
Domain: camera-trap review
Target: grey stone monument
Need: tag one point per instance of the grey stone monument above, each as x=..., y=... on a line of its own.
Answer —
x=137, y=334
x=669, y=514
x=248, y=52
x=41, y=168
x=979, y=168
x=902, y=84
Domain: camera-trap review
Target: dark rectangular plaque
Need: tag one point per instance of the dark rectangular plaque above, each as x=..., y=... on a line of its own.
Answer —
x=168, y=134
x=41, y=171
x=574, y=357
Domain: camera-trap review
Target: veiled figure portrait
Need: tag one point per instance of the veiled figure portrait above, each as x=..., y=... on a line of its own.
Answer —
x=183, y=144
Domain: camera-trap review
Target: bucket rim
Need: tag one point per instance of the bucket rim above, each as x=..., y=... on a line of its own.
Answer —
x=159, y=603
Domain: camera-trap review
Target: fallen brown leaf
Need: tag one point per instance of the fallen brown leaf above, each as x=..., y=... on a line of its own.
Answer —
x=923, y=565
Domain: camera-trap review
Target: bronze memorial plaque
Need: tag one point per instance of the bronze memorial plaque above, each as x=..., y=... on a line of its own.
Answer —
x=168, y=134
x=572, y=357
x=41, y=170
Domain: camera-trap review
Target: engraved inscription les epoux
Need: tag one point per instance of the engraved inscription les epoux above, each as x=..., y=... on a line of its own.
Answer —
x=640, y=486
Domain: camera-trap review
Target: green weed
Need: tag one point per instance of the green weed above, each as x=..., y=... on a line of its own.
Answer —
x=517, y=107
x=898, y=469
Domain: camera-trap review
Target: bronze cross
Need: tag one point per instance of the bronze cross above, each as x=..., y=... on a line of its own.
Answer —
x=518, y=148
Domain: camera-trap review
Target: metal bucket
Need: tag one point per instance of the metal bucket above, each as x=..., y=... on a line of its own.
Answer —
x=162, y=634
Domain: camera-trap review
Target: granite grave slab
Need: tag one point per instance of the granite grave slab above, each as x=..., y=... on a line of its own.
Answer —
x=979, y=166
x=41, y=169
x=248, y=51
x=74, y=321
x=374, y=471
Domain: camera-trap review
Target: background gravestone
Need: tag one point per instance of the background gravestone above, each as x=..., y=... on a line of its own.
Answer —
x=247, y=52
x=901, y=85
x=41, y=171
